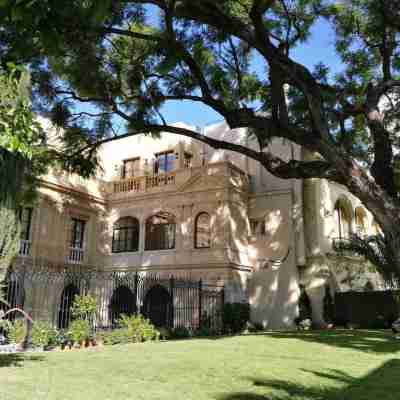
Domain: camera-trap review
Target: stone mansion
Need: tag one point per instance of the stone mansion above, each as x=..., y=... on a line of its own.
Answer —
x=177, y=207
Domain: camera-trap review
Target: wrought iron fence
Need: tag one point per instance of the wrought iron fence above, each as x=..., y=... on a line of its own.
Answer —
x=168, y=301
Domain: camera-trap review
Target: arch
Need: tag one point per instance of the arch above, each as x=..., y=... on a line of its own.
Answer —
x=160, y=231
x=122, y=301
x=64, y=311
x=360, y=217
x=157, y=306
x=14, y=297
x=126, y=235
x=202, y=231
x=342, y=213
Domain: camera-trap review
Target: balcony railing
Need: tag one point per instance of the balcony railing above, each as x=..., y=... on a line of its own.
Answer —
x=140, y=184
x=24, y=247
x=75, y=255
x=342, y=246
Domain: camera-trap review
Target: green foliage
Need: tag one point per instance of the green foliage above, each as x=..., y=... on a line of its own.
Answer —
x=79, y=331
x=235, y=317
x=116, y=336
x=138, y=328
x=84, y=307
x=180, y=332
x=43, y=334
x=17, y=331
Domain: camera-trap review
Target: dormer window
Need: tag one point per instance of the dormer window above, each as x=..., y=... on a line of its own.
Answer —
x=164, y=162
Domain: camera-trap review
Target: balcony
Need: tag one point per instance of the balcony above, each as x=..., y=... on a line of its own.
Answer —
x=24, y=248
x=342, y=247
x=229, y=175
x=75, y=255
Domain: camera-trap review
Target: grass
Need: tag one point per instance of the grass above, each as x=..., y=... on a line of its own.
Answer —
x=341, y=365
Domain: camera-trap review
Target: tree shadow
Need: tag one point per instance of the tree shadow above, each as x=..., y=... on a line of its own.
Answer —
x=380, y=342
x=17, y=359
x=381, y=383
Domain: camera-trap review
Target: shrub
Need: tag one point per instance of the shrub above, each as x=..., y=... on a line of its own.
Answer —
x=180, y=332
x=235, y=317
x=17, y=331
x=139, y=329
x=116, y=336
x=79, y=331
x=205, y=331
x=43, y=334
x=84, y=307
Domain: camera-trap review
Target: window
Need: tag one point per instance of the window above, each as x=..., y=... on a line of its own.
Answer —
x=25, y=216
x=164, y=162
x=126, y=235
x=160, y=232
x=130, y=168
x=360, y=217
x=342, y=221
x=257, y=227
x=202, y=233
x=187, y=159
x=77, y=233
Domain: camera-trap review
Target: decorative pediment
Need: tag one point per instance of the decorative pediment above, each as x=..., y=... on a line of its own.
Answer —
x=203, y=181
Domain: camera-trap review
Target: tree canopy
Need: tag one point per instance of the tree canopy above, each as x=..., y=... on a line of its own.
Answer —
x=126, y=59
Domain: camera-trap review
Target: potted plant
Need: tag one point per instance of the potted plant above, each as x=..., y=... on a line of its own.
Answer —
x=17, y=333
x=79, y=332
x=43, y=335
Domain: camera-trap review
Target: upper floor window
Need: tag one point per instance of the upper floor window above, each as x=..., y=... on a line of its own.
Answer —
x=160, y=232
x=126, y=235
x=257, y=227
x=343, y=220
x=187, y=159
x=25, y=216
x=361, y=219
x=164, y=162
x=202, y=233
x=77, y=233
x=130, y=168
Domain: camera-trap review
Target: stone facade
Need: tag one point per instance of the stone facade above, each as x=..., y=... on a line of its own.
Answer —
x=266, y=236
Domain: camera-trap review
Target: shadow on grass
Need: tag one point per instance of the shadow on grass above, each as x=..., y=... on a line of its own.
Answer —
x=369, y=341
x=17, y=359
x=382, y=383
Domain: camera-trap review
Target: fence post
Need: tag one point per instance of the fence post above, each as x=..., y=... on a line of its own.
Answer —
x=137, y=306
x=171, y=288
x=200, y=300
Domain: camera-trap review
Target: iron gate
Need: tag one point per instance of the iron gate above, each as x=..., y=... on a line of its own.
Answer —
x=47, y=294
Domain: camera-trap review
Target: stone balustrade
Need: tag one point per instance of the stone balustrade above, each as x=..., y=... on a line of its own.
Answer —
x=230, y=175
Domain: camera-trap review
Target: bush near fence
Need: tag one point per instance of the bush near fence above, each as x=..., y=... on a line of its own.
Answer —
x=369, y=310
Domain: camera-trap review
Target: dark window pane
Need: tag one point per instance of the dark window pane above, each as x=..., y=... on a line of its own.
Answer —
x=160, y=232
x=126, y=235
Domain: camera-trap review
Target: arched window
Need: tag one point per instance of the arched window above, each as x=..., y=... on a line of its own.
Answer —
x=343, y=220
x=361, y=220
x=202, y=231
x=160, y=232
x=126, y=235
x=157, y=306
x=123, y=301
x=67, y=299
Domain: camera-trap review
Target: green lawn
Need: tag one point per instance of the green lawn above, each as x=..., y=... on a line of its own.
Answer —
x=315, y=366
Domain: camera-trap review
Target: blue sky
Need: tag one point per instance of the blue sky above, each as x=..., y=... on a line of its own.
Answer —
x=319, y=48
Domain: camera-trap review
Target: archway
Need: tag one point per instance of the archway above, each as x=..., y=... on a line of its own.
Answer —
x=123, y=301
x=157, y=306
x=64, y=311
x=14, y=297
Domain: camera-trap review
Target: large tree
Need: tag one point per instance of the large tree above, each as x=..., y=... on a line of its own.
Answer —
x=128, y=58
